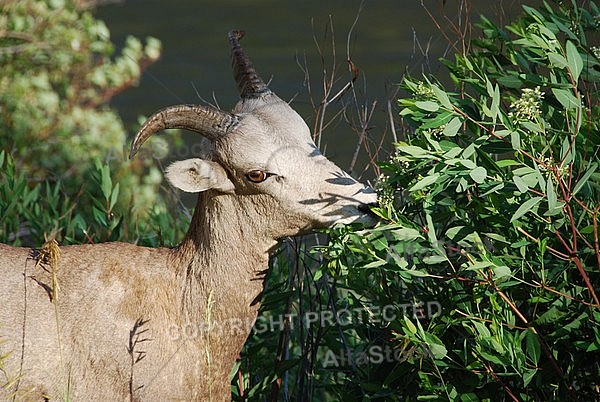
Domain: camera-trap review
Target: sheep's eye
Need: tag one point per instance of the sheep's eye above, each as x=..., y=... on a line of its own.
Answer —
x=257, y=176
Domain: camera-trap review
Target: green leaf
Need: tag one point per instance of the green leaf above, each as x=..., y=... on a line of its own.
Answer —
x=106, y=182
x=406, y=234
x=551, y=194
x=526, y=207
x=425, y=182
x=470, y=397
x=410, y=326
x=557, y=60
x=412, y=150
x=566, y=98
x=319, y=274
x=489, y=87
x=510, y=81
x=441, y=96
x=493, y=358
x=431, y=230
x=574, y=60
x=428, y=106
x=482, y=330
x=480, y=265
x=435, y=259
x=528, y=376
x=532, y=346
x=469, y=164
x=452, y=127
x=501, y=271
x=539, y=177
x=372, y=264
x=478, y=174
x=437, y=121
x=494, y=93
x=417, y=273
x=495, y=107
x=435, y=345
x=515, y=140
x=452, y=153
x=469, y=150
x=532, y=127
x=520, y=183
x=99, y=216
x=585, y=178
x=566, y=151
x=114, y=196
x=462, y=185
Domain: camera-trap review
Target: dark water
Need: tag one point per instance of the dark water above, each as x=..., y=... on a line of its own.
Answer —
x=390, y=38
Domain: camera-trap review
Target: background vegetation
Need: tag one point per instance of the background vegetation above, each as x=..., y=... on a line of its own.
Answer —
x=480, y=283
x=58, y=71
x=490, y=210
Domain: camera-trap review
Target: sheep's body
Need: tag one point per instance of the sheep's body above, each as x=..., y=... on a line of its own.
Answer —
x=110, y=313
x=135, y=323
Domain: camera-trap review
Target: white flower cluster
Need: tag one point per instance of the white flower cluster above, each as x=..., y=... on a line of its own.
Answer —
x=548, y=165
x=424, y=90
x=385, y=191
x=596, y=51
x=399, y=160
x=436, y=132
x=527, y=107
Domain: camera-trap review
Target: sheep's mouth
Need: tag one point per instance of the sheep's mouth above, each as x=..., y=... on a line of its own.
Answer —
x=360, y=214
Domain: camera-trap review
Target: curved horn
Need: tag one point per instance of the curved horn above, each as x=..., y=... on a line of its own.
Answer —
x=208, y=121
x=249, y=83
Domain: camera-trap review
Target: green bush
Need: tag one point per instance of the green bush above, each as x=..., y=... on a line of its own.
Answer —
x=491, y=206
x=483, y=278
x=32, y=213
x=58, y=71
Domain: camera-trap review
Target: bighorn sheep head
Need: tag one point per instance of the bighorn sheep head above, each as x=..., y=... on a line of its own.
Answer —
x=263, y=149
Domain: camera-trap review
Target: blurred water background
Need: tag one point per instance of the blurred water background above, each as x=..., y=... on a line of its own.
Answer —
x=385, y=39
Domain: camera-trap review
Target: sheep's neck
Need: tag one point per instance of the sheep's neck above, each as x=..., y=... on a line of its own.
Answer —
x=224, y=258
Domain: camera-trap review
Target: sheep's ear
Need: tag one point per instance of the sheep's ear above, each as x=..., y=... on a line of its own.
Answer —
x=196, y=175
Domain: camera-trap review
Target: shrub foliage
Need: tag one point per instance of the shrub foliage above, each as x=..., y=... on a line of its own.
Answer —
x=482, y=281
x=58, y=71
x=491, y=208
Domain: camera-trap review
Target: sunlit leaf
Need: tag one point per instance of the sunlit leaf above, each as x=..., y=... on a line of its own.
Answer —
x=520, y=183
x=425, y=182
x=428, y=106
x=478, y=174
x=526, y=207
x=515, y=140
x=106, y=184
x=528, y=376
x=114, y=196
x=566, y=98
x=551, y=194
x=574, y=60
x=410, y=326
x=557, y=60
x=452, y=127
x=501, y=271
x=441, y=96
x=406, y=234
